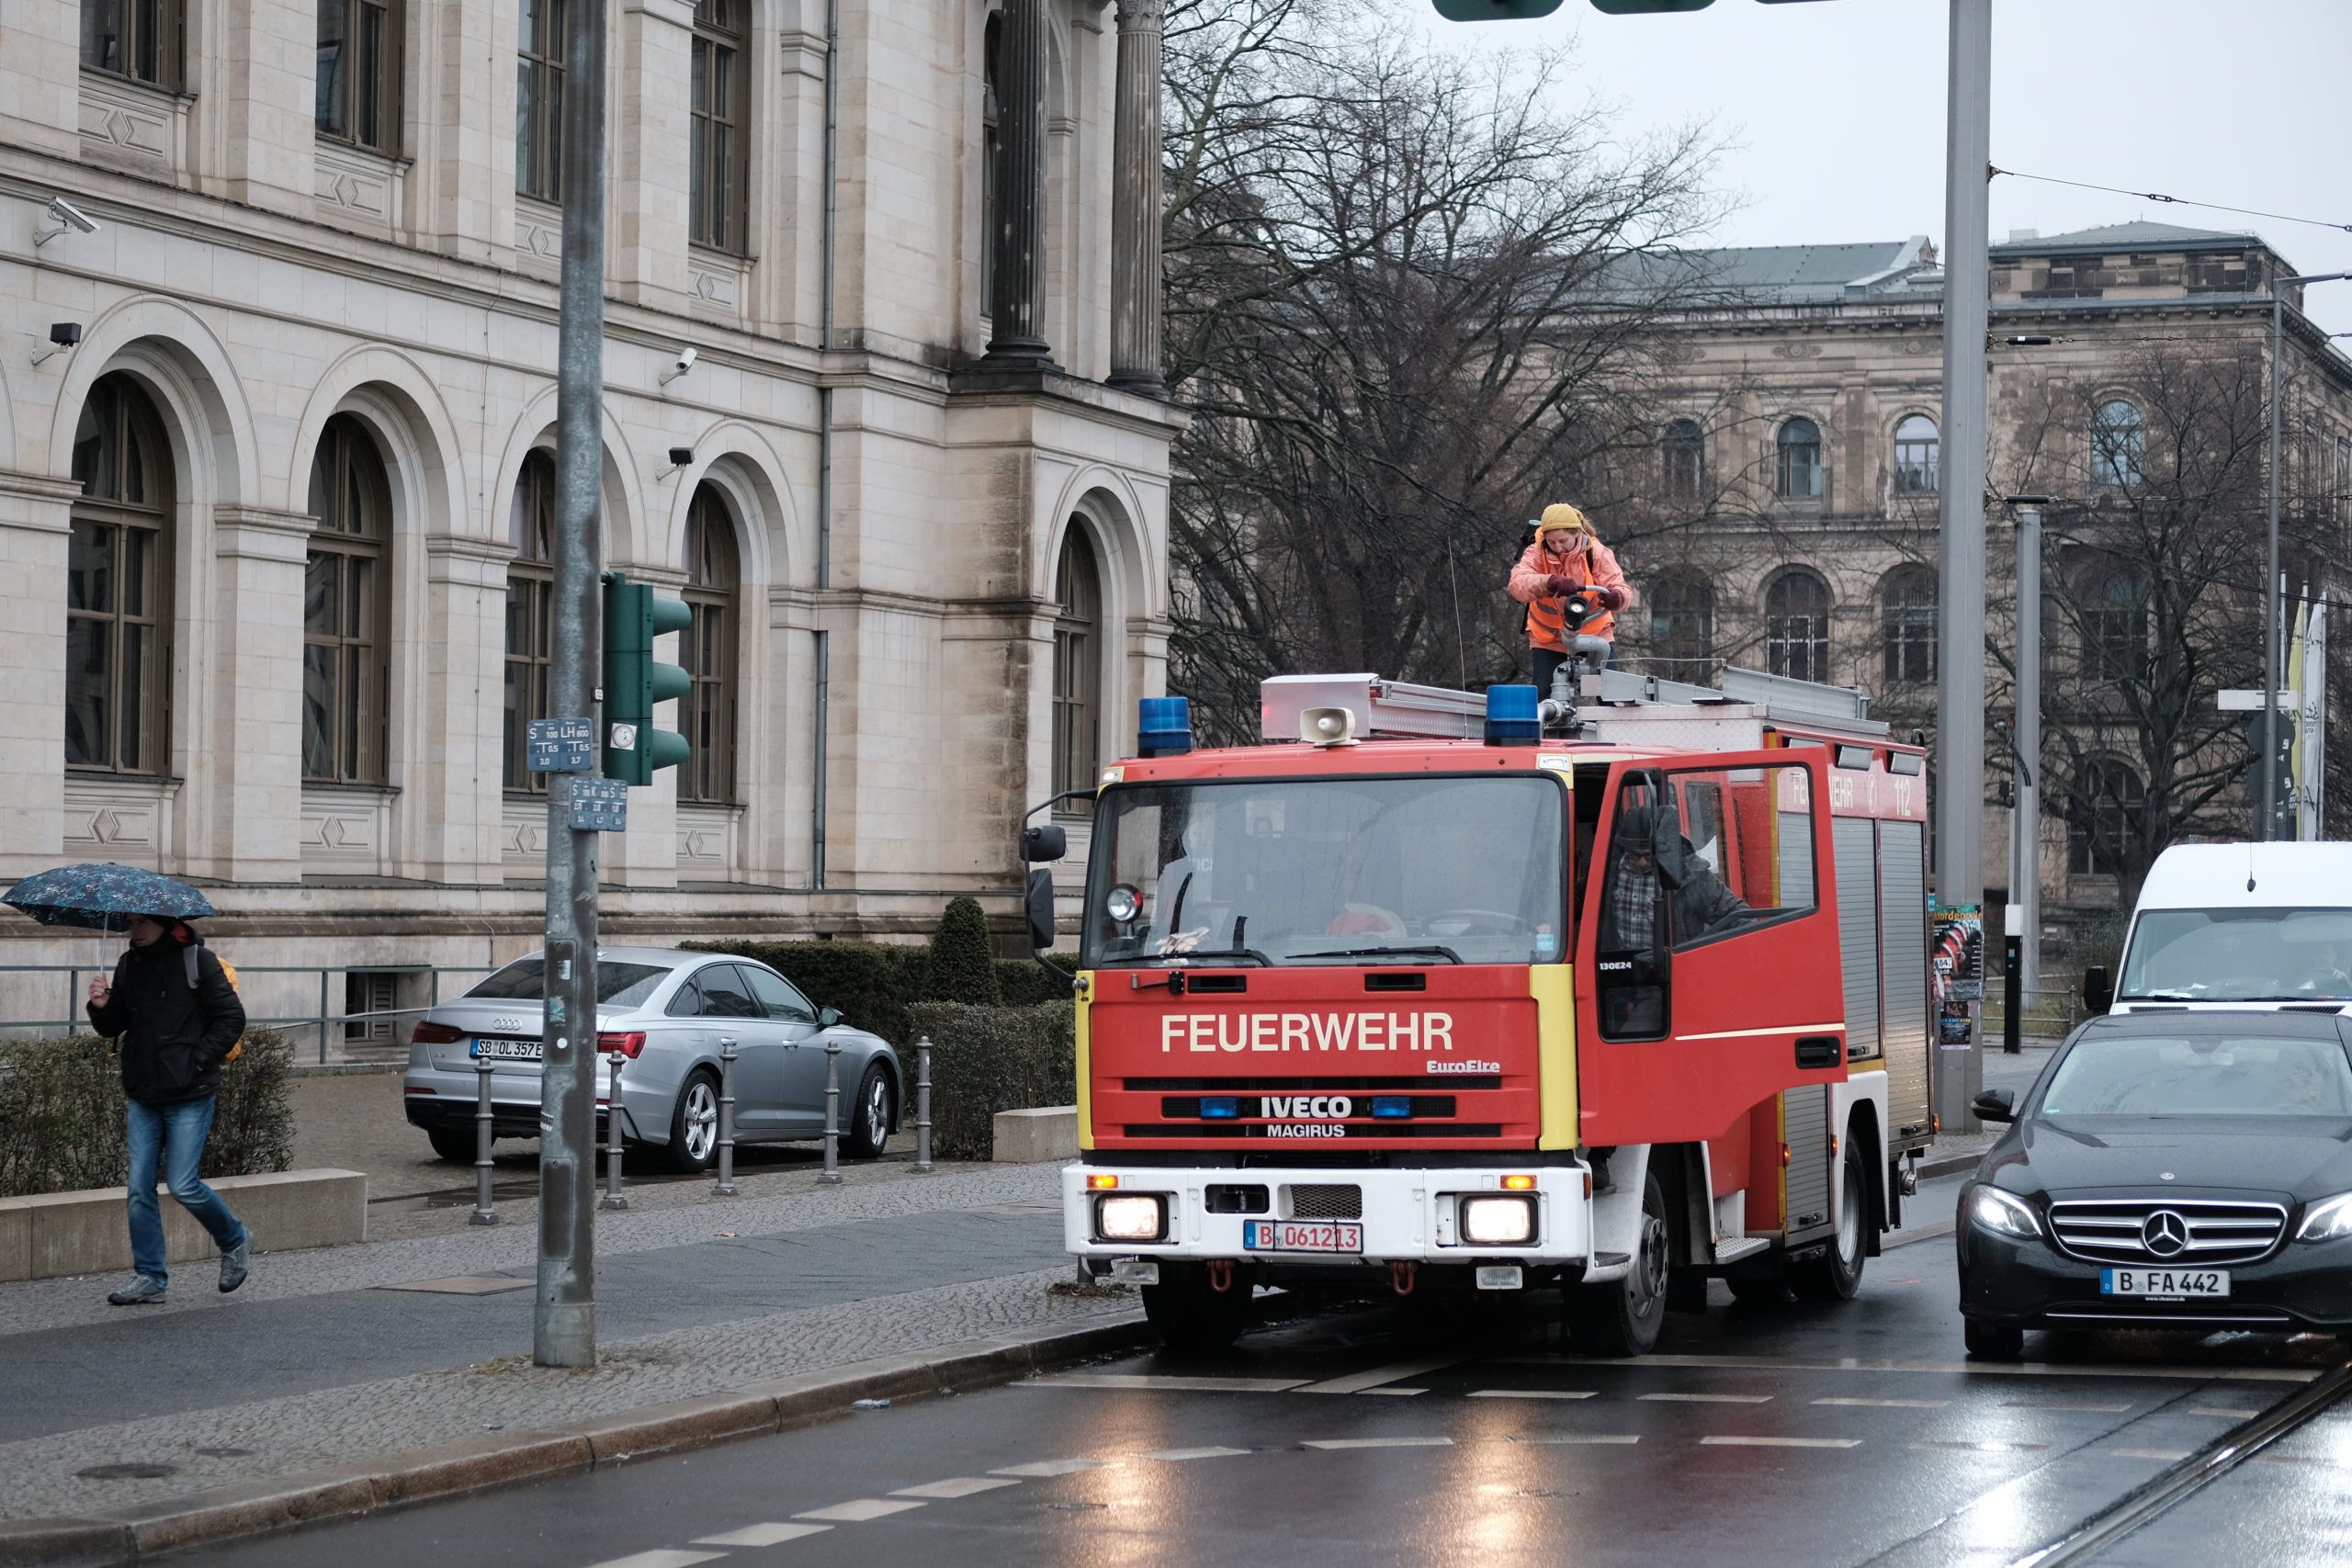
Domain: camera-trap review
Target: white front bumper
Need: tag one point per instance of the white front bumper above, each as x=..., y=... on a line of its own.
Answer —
x=1407, y=1213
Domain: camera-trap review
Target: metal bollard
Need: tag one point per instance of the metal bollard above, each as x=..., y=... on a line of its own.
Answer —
x=613, y=1197
x=923, y=1106
x=483, y=1214
x=725, y=1185
x=832, y=1175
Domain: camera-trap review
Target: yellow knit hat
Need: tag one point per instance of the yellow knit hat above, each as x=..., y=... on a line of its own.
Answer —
x=1560, y=515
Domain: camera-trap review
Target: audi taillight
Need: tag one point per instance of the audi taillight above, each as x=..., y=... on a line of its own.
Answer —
x=627, y=1044
x=436, y=1034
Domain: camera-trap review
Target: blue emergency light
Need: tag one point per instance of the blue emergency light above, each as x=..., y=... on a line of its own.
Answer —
x=1165, y=729
x=1393, y=1107
x=1222, y=1108
x=1512, y=718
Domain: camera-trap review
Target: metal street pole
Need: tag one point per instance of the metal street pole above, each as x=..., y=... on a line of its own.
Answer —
x=2273, y=613
x=2027, y=892
x=563, y=1321
x=1960, y=648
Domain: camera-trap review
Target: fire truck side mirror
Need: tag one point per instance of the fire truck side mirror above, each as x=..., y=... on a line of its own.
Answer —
x=2098, y=991
x=1037, y=902
x=1046, y=843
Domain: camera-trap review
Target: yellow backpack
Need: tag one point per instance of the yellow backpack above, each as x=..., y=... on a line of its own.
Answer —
x=193, y=965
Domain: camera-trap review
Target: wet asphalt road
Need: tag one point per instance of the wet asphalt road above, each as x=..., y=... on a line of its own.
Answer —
x=1800, y=1435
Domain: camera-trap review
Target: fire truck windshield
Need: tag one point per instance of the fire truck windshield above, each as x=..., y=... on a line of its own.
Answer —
x=1362, y=871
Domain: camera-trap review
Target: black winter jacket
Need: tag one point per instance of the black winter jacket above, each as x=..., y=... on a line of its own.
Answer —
x=173, y=1038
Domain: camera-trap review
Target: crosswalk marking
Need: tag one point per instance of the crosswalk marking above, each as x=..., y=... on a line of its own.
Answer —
x=959, y=1486
x=761, y=1535
x=1738, y=1442
x=1889, y=1404
x=1882, y=1364
x=1395, y=1372
x=2077, y=1406
x=1982, y=1445
x=1049, y=1467
x=857, y=1510
x=1394, y=1393
x=667, y=1556
x=2170, y=1456
x=2217, y=1410
x=1166, y=1383
x=1565, y=1439
x=1194, y=1453
x=1531, y=1393
x=1708, y=1398
x=1379, y=1443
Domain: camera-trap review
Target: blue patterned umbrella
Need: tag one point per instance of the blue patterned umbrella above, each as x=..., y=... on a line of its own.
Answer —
x=105, y=896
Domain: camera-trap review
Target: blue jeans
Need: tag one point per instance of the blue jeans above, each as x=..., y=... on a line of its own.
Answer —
x=170, y=1136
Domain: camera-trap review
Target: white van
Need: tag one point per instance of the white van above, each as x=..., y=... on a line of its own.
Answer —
x=2265, y=925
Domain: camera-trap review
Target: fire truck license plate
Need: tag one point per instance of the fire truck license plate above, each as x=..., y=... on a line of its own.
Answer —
x=2163, y=1282
x=1300, y=1236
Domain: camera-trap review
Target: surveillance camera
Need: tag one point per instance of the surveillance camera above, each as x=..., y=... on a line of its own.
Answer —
x=66, y=334
x=685, y=362
x=681, y=456
x=65, y=212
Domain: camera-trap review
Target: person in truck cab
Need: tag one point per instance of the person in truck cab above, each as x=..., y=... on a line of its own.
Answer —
x=1566, y=565
x=1700, y=900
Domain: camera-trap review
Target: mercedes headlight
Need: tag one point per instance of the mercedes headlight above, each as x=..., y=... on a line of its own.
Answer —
x=2327, y=1220
x=2003, y=1212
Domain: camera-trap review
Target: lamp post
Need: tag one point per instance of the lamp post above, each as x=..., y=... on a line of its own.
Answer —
x=2267, y=819
x=2025, y=738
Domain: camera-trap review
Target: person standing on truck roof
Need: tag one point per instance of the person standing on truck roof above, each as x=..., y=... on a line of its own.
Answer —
x=1566, y=566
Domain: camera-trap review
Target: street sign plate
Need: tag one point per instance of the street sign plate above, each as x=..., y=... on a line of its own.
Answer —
x=600, y=805
x=562, y=746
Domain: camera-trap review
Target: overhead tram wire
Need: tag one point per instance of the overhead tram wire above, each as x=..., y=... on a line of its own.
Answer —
x=2171, y=200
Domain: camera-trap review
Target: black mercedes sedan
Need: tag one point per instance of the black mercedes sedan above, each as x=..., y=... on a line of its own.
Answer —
x=2167, y=1170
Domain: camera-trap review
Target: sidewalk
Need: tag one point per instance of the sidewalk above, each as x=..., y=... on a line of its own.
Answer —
x=343, y=1357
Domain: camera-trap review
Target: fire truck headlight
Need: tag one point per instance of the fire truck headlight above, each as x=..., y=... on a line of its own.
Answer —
x=1498, y=1221
x=1131, y=1216
x=2003, y=1212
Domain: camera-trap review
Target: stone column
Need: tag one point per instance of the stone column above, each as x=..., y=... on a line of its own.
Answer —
x=36, y=523
x=250, y=750
x=1135, y=202
x=1017, y=304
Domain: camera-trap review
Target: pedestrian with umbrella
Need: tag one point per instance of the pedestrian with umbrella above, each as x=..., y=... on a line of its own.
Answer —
x=178, y=1017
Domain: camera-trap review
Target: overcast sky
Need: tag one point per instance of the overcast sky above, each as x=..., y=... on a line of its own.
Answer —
x=1837, y=107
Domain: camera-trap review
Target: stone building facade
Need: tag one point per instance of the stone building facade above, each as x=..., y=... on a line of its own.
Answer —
x=1795, y=519
x=275, y=527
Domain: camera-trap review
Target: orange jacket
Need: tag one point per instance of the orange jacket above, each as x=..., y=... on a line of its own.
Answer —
x=1595, y=564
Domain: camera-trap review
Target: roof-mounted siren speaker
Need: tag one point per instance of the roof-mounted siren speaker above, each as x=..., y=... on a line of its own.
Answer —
x=1164, y=728
x=1327, y=727
x=1513, y=717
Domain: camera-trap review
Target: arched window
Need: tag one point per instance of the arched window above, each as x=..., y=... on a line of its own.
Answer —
x=1907, y=614
x=2115, y=627
x=118, y=584
x=1916, y=455
x=2117, y=439
x=706, y=651
x=715, y=202
x=1682, y=626
x=2104, y=819
x=991, y=104
x=1683, y=452
x=530, y=614
x=1077, y=663
x=1797, y=473
x=1797, y=627
x=344, y=607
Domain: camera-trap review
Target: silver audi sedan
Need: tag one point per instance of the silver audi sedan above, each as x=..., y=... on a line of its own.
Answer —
x=662, y=1012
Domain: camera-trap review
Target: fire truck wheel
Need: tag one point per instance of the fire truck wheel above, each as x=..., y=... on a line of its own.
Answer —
x=1992, y=1341
x=1623, y=1316
x=1836, y=1274
x=1191, y=1317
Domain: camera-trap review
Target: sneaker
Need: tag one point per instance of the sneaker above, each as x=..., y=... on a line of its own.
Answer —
x=141, y=1292
x=236, y=1262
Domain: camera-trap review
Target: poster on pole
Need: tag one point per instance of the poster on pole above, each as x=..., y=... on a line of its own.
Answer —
x=2310, y=723
x=1958, y=951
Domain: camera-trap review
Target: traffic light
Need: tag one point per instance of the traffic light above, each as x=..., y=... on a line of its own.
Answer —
x=634, y=681
x=1497, y=10
x=2278, y=812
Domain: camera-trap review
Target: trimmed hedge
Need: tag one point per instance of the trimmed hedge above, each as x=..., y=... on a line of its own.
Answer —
x=1025, y=982
x=870, y=982
x=984, y=1060
x=962, y=967
x=60, y=1105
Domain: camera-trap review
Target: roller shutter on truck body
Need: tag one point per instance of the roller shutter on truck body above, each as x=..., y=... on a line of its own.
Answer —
x=1804, y=1127
x=1903, y=941
x=1858, y=932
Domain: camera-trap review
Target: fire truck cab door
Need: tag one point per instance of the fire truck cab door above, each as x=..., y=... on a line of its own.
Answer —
x=1710, y=927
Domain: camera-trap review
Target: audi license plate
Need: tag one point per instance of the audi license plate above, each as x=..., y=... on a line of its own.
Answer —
x=506, y=1050
x=1300, y=1236
x=2182, y=1283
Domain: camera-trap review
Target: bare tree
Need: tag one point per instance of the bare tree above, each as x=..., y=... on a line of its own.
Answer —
x=1400, y=310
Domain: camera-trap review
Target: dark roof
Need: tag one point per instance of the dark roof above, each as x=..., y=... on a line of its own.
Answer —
x=1779, y=275
x=2135, y=236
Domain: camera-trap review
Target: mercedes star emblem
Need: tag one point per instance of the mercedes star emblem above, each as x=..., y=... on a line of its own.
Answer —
x=2165, y=1234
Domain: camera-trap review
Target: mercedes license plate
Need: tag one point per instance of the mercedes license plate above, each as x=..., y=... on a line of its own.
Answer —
x=2180, y=1283
x=1300, y=1236
x=506, y=1050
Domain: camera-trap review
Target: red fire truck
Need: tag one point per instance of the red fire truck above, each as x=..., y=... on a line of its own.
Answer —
x=1433, y=991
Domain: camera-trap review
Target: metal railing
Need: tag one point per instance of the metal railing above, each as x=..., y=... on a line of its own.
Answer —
x=2046, y=1014
x=324, y=1020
